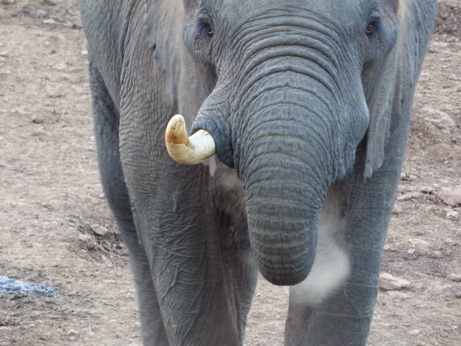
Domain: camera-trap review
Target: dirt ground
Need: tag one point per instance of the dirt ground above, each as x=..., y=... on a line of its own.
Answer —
x=50, y=196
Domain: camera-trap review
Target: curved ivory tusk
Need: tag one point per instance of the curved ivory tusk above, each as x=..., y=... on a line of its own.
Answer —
x=184, y=149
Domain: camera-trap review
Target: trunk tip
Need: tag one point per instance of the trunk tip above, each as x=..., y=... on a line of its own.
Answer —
x=284, y=278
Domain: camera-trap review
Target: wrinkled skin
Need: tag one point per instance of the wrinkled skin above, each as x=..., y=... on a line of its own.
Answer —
x=308, y=103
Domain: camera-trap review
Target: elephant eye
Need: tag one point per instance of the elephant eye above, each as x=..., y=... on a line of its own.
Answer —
x=372, y=27
x=204, y=29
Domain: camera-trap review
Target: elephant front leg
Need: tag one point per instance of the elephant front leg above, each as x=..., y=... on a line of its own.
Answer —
x=343, y=319
x=152, y=327
x=334, y=305
x=199, y=260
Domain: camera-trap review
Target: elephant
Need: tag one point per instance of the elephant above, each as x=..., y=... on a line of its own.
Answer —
x=298, y=113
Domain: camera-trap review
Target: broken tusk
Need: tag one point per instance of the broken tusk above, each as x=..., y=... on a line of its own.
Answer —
x=184, y=149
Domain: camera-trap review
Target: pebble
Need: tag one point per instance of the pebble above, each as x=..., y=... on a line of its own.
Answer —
x=406, y=197
x=59, y=66
x=50, y=21
x=99, y=230
x=48, y=2
x=454, y=277
x=452, y=215
x=388, y=282
x=72, y=334
x=439, y=119
x=451, y=196
x=85, y=238
x=427, y=189
x=397, y=209
x=397, y=295
x=419, y=244
x=38, y=120
x=408, y=177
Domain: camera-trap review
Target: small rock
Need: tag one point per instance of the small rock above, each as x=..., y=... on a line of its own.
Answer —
x=38, y=120
x=458, y=294
x=419, y=244
x=435, y=254
x=451, y=241
x=397, y=209
x=39, y=133
x=454, y=277
x=388, y=282
x=438, y=118
x=8, y=2
x=72, y=334
x=397, y=295
x=49, y=21
x=408, y=177
x=99, y=230
x=451, y=196
x=427, y=189
x=60, y=66
x=86, y=238
x=414, y=332
x=452, y=215
x=406, y=197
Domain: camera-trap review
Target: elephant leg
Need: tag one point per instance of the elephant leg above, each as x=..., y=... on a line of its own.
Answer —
x=241, y=269
x=334, y=305
x=153, y=330
x=106, y=120
x=343, y=319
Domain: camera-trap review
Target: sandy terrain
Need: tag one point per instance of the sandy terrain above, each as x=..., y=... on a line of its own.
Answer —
x=50, y=196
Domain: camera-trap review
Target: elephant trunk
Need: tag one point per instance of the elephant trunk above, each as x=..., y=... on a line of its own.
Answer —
x=287, y=166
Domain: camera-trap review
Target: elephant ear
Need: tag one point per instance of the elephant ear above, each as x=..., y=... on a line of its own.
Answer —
x=391, y=97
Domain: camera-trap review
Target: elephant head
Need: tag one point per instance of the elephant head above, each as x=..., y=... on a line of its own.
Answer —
x=290, y=91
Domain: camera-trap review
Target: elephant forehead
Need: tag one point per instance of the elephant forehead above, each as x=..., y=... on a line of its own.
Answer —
x=332, y=8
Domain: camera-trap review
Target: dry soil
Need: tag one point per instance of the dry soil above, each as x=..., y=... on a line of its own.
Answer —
x=50, y=196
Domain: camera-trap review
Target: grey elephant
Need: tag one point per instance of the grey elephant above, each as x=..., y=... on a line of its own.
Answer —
x=299, y=112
